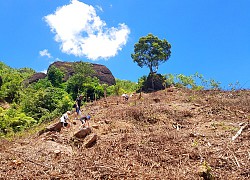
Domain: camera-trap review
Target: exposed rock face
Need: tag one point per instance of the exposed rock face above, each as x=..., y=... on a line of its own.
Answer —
x=36, y=77
x=104, y=74
x=65, y=67
x=154, y=82
x=101, y=71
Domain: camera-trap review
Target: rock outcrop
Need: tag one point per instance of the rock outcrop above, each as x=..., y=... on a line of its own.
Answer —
x=101, y=71
x=154, y=82
x=83, y=133
x=35, y=77
x=103, y=74
x=53, y=127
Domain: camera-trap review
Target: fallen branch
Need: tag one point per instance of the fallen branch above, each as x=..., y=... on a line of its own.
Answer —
x=239, y=132
x=236, y=160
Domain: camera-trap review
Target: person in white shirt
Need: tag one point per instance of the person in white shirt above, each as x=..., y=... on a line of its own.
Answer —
x=64, y=119
x=125, y=97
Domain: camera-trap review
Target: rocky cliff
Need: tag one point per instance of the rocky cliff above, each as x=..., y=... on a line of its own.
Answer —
x=101, y=72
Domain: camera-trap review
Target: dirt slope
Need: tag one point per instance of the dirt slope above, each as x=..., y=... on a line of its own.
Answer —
x=171, y=134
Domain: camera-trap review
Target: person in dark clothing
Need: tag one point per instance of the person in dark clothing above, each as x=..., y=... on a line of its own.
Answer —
x=77, y=105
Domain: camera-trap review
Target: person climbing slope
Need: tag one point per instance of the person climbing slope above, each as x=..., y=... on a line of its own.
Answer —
x=77, y=105
x=64, y=119
x=85, y=121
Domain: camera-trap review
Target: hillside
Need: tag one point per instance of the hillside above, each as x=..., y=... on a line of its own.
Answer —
x=171, y=134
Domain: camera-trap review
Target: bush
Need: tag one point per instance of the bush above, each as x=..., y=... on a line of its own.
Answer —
x=12, y=120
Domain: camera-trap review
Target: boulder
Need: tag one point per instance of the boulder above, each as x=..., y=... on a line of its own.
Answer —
x=83, y=133
x=53, y=127
x=154, y=82
x=90, y=141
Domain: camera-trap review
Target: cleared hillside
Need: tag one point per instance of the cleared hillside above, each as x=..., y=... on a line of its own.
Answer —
x=171, y=134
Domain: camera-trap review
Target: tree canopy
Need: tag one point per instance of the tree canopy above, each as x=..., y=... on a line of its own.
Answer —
x=151, y=51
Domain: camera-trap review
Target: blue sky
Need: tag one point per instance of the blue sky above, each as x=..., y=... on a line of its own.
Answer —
x=210, y=37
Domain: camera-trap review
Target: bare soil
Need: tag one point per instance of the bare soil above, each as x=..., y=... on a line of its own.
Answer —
x=169, y=134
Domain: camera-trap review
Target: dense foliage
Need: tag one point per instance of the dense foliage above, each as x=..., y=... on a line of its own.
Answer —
x=121, y=87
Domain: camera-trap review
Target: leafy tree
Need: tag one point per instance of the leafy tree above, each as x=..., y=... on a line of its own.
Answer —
x=98, y=92
x=195, y=82
x=141, y=82
x=127, y=86
x=186, y=80
x=39, y=103
x=75, y=83
x=55, y=76
x=84, y=68
x=41, y=84
x=92, y=88
x=150, y=51
x=13, y=120
x=122, y=86
x=26, y=72
x=114, y=90
x=11, y=83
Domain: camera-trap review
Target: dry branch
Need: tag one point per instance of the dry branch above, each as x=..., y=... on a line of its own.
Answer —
x=239, y=132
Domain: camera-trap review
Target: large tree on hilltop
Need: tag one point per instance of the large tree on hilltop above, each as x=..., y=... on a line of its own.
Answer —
x=150, y=51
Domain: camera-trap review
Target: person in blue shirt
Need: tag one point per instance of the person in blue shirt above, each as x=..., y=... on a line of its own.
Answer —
x=85, y=121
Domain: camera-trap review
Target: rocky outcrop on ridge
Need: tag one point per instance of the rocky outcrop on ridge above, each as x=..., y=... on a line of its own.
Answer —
x=101, y=72
x=35, y=77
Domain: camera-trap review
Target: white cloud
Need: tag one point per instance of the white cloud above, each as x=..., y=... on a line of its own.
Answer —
x=99, y=8
x=82, y=33
x=44, y=71
x=45, y=52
